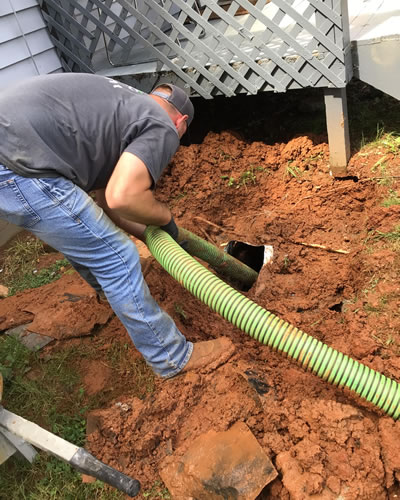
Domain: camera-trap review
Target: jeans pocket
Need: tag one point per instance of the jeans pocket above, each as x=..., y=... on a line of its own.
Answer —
x=61, y=191
x=14, y=207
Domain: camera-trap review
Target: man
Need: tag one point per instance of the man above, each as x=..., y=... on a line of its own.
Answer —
x=65, y=135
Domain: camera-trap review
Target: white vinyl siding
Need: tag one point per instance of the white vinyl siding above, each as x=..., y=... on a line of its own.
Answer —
x=25, y=45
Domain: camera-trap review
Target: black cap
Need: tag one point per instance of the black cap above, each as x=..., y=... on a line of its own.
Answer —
x=178, y=98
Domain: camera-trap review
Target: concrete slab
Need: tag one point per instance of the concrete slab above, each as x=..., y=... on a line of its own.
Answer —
x=33, y=341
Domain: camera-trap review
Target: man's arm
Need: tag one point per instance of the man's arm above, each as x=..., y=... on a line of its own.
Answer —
x=128, y=193
x=133, y=228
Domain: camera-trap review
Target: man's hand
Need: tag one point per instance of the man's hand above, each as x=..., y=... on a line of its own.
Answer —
x=171, y=228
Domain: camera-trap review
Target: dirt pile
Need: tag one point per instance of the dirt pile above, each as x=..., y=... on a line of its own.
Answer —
x=334, y=274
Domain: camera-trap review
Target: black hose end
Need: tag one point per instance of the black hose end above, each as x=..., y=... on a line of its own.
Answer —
x=88, y=464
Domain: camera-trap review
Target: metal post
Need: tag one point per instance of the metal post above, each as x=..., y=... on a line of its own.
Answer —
x=338, y=130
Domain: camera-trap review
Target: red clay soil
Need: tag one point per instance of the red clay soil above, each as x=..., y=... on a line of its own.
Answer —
x=325, y=443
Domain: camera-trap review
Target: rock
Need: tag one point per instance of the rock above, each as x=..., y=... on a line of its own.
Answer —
x=31, y=340
x=218, y=466
x=3, y=291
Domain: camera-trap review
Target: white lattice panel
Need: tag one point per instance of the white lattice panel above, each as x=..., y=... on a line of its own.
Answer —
x=214, y=47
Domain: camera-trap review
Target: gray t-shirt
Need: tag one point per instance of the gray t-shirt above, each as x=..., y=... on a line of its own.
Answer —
x=77, y=126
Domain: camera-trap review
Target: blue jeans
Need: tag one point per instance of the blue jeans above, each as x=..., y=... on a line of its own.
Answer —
x=64, y=216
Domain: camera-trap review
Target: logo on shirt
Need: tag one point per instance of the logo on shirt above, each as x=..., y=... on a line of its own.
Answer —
x=119, y=85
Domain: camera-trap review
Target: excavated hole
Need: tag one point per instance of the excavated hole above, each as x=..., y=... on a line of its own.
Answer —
x=252, y=256
x=337, y=307
x=353, y=178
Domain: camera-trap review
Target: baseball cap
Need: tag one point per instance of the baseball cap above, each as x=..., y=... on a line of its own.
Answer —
x=177, y=98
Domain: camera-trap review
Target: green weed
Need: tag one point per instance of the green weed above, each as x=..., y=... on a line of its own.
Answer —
x=313, y=158
x=387, y=142
x=178, y=197
x=385, y=340
x=293, y=171
x=375, y=141
x=72, y=428
x=391, y=238
x=284, y=269
x=180, y=311
x=380, y=165
x=247, y=177
x=391, y=142
x=393, y=199
x=158, y=490
x=230, y=180
x=224, y=156
x=368, y=308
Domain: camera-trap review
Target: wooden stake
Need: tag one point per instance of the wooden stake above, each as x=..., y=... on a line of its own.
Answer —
x=218, y=227
x=322, y=247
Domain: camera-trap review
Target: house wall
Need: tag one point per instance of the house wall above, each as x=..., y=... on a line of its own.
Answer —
x=25, y=50
x=25, y=46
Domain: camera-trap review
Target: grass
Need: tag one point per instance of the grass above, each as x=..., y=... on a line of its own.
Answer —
x=21, y=257
x=392, y=199
x=57, y=405
x=392, y=237
x=158, y=490
x=384, y=339
x=53, y=480
x=385, y=144
x=371, y=113
x=20, y=262
x=390, y=142
x=35, y=279
x=48, y=391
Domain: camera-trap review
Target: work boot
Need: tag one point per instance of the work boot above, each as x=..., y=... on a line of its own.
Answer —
x=208, y=355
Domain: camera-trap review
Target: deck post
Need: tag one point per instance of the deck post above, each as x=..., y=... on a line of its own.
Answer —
x=338, y=129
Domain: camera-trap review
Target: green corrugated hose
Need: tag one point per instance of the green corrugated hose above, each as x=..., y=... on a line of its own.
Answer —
x=222, y=262
x=313, y=355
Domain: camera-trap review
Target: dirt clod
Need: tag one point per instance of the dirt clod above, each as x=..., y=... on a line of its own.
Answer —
x=219, y=465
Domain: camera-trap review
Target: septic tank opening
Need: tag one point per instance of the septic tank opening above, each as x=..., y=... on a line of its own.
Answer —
x=252, y=256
